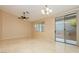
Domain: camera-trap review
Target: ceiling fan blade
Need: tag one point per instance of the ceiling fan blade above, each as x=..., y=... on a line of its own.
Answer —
x=27, y=17
x=27, y=12
x=23, y=16
x=19, y=17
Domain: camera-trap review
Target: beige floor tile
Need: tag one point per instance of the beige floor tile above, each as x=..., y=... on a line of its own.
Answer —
x=35, y=46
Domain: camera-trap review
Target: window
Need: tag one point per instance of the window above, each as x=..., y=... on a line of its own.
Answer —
x=39, y=27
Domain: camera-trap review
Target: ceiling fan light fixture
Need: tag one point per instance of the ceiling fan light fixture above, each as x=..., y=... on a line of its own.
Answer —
x=42, y=11
x=23, y=17
x=46, y=10
x=50, y=10
x=47, y=13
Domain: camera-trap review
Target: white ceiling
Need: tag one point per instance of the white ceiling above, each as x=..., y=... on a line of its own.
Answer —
x=35, y=10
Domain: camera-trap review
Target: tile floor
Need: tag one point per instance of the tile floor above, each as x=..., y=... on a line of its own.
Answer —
x=35, y=46
x=67, y=41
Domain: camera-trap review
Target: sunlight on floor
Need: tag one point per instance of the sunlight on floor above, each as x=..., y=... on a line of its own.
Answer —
x=68, y=41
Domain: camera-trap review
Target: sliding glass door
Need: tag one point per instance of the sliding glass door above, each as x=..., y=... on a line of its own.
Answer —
x=66, y=29
x=60, y=29
x=70, y=29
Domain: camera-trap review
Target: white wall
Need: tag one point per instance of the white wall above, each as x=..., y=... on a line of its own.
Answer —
x=0, y=25
x=49, y=28
x=12, y=27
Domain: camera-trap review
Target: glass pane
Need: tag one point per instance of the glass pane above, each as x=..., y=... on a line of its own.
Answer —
x=70, y=29
x=60, y=29
x=39, y=27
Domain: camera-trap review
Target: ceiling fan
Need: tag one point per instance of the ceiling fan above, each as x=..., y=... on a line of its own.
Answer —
x=24, y=17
